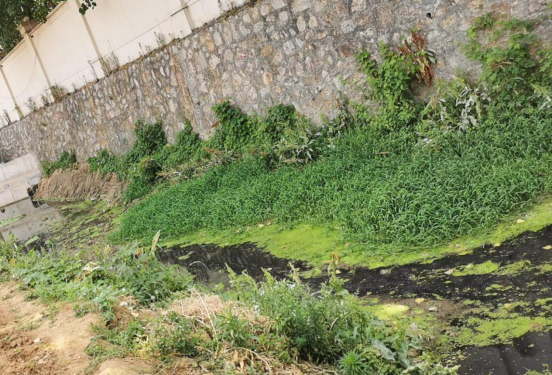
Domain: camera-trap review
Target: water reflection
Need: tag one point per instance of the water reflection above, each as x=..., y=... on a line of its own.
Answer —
x=25, y=219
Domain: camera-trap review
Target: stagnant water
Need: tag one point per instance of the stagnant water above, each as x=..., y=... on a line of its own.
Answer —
x=529, y=352
x=208, y=263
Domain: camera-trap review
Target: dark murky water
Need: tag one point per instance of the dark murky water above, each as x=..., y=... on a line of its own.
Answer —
x=208, y=263
x=430, y=280
x=530, y=352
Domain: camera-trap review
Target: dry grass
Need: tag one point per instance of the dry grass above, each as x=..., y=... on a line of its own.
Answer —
x=205, y=308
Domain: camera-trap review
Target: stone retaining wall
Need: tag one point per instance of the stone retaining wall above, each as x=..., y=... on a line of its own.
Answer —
x=299, y=52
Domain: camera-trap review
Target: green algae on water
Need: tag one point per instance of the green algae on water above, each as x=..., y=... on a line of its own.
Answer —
x=477, y=269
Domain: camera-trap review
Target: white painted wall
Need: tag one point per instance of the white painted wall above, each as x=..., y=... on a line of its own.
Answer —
x=126, y=29
x=65, y=49
x=6, y=101
x=24, y=77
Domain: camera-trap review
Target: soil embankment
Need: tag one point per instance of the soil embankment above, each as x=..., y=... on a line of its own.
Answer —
x=80, y=184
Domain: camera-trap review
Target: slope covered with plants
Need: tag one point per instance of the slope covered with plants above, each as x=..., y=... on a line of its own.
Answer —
x=408, y=172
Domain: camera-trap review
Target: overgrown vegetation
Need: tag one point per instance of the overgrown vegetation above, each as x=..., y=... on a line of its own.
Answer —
x=101, y=277
x=67, y=160
x=253, y=327
x=402, y=172
x=408, y=172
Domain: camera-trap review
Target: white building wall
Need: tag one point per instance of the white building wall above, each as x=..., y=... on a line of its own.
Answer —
x=123, y=30
x=65, y=48
x=131, y=28
x=24, y=76
x=6, y=102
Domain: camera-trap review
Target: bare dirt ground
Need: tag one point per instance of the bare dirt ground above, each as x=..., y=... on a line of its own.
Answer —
x=36, y=340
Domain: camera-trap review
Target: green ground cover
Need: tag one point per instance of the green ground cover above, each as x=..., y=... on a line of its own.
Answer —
x=405, y=181
x=411, y=174
x=400, y=181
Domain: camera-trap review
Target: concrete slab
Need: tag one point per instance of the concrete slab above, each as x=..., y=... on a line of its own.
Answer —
x=6, y=198
x=8, y=211
x=18, y=187
x=20, y=233
x=19, y=166
x=32, y=224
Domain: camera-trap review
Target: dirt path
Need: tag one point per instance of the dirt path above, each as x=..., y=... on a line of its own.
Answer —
x=36, y=340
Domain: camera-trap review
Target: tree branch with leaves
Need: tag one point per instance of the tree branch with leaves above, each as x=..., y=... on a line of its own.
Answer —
x=12, y=13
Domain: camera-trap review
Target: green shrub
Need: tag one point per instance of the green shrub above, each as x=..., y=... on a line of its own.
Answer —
x=353, y=363
x=67, y=160
x=150, y=138
x=279, y=119
x=328, y=327
x=188, y=146
x=174, y=334
x=235, y=128
x=508, y=63
x=106, y=162
x=142, y=179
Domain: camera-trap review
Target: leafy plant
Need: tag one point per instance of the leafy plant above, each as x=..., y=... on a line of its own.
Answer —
x=106, y=162
x=188, y=146
x=352, y=363
x=507, y=63
x=150, y=139
x=67, y=160
x=330, y=327
x=142, y=179
x=234, y=127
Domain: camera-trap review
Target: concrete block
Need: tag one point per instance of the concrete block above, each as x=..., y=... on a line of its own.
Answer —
x=19, y=191
x=20, y=232
x=10, y=211
x=6, y=198
x=34, y=180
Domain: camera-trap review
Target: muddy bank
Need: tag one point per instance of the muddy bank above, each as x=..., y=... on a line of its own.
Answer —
x=514, y=270
x=80, y=184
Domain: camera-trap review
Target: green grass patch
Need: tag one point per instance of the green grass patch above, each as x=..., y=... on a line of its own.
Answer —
x=316, y=243
x=408, y=176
